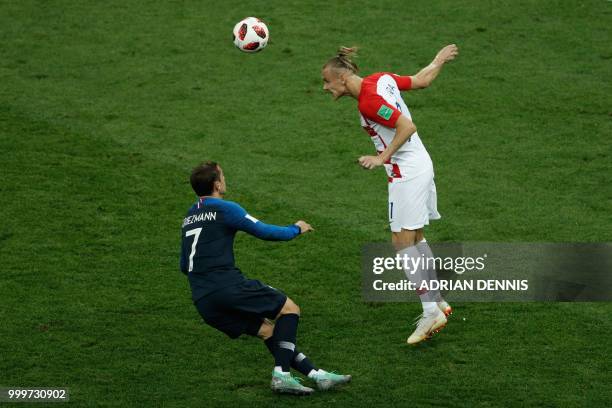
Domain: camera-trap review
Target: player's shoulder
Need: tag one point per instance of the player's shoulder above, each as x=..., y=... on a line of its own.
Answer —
x=369, y=83
x=232, y=206
x=369, y=95
x=375, y=76
x=216, y=210
x=373, y=79
x=370, y=86
x=222, y=205
x=214, y=204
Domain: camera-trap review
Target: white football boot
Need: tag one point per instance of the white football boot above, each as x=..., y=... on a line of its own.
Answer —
x=426, y=326
x=445, y=307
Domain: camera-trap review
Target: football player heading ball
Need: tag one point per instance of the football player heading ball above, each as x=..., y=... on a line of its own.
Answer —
x=412, y=192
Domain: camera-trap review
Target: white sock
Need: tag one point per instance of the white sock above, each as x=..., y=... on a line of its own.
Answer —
x=431, y=273
x=429, y=307
x=315, y=373
x=418, y=276
x=279, y=369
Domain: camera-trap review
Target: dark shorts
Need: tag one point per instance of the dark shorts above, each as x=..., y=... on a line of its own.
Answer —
x=241, y=309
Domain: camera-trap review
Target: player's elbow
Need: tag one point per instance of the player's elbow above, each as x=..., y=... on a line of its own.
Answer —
x=405, y=125
x=412, y=128
x=420, y=82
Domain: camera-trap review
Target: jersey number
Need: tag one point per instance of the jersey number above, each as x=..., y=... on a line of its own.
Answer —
x=189, y=233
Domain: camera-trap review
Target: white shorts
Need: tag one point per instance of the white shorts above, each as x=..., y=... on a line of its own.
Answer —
x=413, y=203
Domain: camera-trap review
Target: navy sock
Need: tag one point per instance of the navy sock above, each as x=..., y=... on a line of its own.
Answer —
x=285, y=333
x=299, y=361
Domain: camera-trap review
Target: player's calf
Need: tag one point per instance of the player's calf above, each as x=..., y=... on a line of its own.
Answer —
x=284, y=335
x=282, y=381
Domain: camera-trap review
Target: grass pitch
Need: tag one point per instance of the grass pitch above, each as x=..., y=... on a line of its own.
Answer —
x=105, y=107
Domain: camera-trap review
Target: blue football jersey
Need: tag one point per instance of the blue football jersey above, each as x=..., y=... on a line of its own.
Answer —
x=207, y=250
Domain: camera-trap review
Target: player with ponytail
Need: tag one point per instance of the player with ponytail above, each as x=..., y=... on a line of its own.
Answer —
x=412, y=191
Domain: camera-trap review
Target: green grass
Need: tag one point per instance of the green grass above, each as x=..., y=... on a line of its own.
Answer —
x=105, y=107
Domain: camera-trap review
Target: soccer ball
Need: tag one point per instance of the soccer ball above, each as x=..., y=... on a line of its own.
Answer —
x=251, y=35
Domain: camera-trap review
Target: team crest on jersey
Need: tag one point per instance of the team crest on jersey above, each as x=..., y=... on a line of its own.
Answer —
x=385, y=112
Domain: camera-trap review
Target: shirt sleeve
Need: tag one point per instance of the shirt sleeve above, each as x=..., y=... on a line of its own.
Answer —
x=404, y=83
x=237, y=218
x=376, y=108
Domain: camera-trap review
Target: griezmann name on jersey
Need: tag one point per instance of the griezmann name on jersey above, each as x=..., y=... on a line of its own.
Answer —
x=207, y=243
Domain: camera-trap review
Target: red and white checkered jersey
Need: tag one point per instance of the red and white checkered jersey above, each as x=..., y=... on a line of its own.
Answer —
x=380, y=105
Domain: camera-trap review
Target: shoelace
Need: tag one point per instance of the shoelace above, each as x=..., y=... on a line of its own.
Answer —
x=292, y=380
x=420, y=320
x=330, y=375
x=334, y=374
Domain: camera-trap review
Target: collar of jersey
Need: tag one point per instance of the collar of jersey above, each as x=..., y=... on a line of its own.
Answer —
x=207, y=198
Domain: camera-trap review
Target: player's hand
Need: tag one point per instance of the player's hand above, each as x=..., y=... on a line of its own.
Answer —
x=304, y=226
x=370, y=162
x=446, y=54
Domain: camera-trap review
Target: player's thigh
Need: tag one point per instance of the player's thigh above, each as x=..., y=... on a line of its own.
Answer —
x=409, y=206
x=242, y=308
x=264, y=300
x=255, y=297
x=216, y=311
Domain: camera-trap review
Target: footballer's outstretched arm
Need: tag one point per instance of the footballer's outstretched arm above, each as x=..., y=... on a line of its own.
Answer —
x=239, y=219
x=270, y=232
x=425, y=76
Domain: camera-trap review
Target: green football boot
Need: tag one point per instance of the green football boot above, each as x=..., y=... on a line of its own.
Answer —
x=326, y=381
x=287, y=384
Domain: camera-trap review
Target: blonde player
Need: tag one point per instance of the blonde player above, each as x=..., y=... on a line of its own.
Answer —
x=412, y=192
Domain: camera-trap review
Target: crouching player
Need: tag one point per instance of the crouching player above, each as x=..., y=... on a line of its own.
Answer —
x=230, y=302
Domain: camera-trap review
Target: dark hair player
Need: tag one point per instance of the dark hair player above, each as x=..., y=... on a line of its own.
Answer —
x=225, y=298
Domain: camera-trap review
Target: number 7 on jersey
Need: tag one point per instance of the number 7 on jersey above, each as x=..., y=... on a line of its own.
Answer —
x=189, y=233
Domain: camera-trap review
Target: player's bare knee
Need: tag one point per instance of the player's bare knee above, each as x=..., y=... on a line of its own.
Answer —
x=266, y=330
x=404, y=239
x=290, y=308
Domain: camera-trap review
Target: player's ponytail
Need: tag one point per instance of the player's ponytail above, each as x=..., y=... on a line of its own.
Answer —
x=343, y=60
